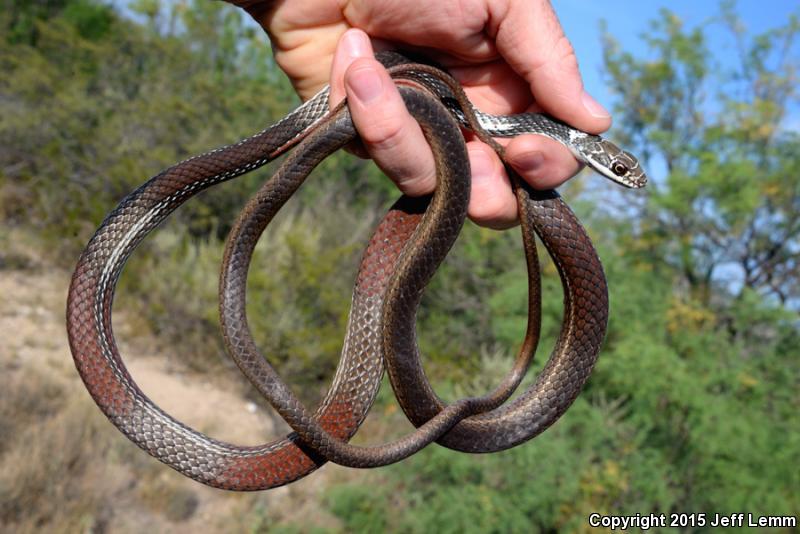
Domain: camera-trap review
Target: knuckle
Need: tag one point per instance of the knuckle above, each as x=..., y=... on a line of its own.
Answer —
x=492, y=210
x=560, y=53
x=416, y=182
x=563, y=50
x=384, y=135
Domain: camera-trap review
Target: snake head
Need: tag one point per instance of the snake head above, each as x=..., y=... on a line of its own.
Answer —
x=611, y=161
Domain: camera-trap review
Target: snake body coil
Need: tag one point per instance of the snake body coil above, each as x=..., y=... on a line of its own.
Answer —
x=401, y=257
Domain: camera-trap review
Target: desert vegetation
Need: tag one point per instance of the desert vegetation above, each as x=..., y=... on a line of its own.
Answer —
x=693, y=405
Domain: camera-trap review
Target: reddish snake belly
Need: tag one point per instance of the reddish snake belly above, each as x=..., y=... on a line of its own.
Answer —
x=402, y=256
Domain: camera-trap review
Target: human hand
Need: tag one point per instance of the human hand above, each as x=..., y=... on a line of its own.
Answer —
x=511, y=56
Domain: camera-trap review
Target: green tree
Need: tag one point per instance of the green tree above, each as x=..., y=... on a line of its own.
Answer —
x=728, y=210
x=693, y=404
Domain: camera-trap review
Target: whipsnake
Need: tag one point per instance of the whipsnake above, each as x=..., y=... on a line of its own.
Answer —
x=402, y=255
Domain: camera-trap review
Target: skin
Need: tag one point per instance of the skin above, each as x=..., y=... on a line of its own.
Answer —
x=511, y=56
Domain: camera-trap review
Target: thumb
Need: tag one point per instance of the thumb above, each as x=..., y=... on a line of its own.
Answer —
x=532, y=41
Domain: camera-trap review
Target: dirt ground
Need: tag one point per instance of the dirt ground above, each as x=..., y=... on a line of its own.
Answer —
x=145, y=492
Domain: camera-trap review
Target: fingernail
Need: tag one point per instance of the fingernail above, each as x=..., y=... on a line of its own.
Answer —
x=528, y=161
x=365, y=83
x=481, y=165
x=357, y=44
x=593, y=107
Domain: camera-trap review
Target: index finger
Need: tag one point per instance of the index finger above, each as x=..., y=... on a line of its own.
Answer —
x=530, y=38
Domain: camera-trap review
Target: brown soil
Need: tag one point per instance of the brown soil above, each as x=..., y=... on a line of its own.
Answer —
x=145, y=491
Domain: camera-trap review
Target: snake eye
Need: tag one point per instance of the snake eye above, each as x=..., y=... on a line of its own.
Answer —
x=620, y=169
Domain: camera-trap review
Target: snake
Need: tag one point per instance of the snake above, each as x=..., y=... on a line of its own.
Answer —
x=402, y=255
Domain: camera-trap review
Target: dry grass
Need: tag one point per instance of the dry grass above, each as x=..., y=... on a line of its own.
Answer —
x=64, y=468
x=50, y=470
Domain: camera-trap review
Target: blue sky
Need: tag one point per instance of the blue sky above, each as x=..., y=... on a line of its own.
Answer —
x=628, y=19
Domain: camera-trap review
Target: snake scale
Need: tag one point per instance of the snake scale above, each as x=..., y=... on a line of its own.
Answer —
x=401, y=257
